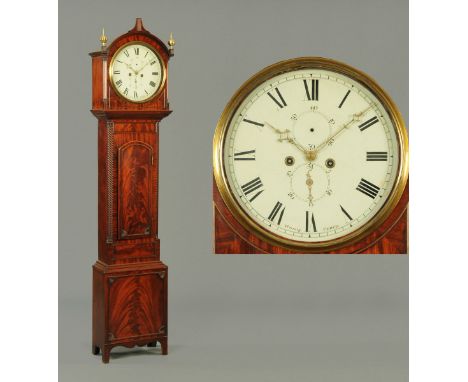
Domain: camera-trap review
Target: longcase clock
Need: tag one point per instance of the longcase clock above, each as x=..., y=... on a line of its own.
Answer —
x=129, y=99
x=310, y=156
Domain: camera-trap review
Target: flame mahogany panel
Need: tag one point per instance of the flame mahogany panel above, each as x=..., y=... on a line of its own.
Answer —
x=135, y=185
x=230, y=237
x=135, y=307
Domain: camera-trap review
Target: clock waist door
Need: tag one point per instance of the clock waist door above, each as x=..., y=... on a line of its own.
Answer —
x=129, y=192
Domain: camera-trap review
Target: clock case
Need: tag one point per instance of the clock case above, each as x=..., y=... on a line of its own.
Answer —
x=129, y=280
x=232, y=236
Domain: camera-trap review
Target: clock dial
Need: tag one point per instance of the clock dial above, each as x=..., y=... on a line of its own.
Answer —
x=136, y=72
x=310, y=155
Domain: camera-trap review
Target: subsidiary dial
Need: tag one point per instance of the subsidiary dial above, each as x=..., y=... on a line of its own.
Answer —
x=309, y=182
x=311, y=127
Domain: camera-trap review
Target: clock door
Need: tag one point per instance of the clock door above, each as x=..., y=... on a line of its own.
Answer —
x=135, y=190
x=137, y=305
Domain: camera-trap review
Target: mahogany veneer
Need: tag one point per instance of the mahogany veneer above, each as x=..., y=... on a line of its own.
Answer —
x=129, y=280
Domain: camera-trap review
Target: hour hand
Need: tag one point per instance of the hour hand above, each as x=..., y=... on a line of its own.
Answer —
x=285, y=135
x=130, y=67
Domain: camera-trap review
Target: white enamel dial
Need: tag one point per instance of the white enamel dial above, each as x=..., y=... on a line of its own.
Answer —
x=136, y=72
x=311, y=155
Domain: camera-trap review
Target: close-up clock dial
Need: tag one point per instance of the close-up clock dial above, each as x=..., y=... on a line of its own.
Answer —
x=136, y=72
x=310, y=155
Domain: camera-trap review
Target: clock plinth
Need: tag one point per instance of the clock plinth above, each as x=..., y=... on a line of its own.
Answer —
x=129, y=279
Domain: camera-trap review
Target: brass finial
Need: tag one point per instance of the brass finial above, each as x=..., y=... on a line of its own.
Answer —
x=171, y=44
x=103, y=39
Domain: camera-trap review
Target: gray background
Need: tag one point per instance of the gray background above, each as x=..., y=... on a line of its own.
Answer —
x=231, y=318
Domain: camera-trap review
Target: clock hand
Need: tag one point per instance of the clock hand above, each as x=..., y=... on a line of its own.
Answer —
x=285, y=135
x=139, y=70
x=356, y=117
x=309, y=183
x=129, y=67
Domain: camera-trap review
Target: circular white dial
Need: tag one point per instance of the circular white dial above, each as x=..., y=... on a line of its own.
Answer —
x=311, y=155
x=136, y=72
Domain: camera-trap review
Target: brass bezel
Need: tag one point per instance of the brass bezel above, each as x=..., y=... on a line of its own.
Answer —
x=163, y=69
x=287, y=66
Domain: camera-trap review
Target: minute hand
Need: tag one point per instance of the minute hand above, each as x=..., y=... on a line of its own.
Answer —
x=139, y=70
x=356, y=117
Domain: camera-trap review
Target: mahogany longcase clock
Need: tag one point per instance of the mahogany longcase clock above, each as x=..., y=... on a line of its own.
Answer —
x=129, y=99
x=310, y=156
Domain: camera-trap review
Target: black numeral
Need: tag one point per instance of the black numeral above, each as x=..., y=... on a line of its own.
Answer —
x=377, y=156
x=312, y=220
x=313, y=93
x=363, y=126
x=245, y=155
x=152, y=83
x=126, y=53
x=367, y=188
x=153, y=62
x=125, y=91
x=344, y=99
x=252, y=186
x=116, y=71
x=135, y=94
x=275, y=211
x=280, y=104
x=253, y=122
x=346, y=212
x=119, y=83
x=137, y=51
x=154, y=73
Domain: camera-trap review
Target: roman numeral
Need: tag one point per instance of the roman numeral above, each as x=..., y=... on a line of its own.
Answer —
x=125, y=91
x=146, y=54
x=373, y=156
x=275, y=211
x=313, y=94
x=119, y=83
x=126, y=53
x=363, y=126
x=245, y=155
x=367, y=188
x=252, y=186
x=280, y=104
x=346, y=212
x=137, y=51
x=116, y=71
x=153, y=62
x=154, y=73
x=152, y=84
x=312, y=220
x=253, y=122
x=344, y=99
x=135, y=94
